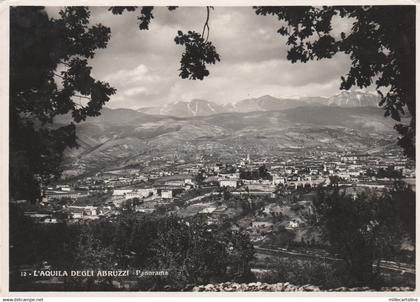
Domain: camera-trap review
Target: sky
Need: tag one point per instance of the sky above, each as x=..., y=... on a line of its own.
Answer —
x=143, y=64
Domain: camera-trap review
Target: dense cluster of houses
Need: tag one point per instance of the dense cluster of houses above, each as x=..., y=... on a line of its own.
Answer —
x=145, y=190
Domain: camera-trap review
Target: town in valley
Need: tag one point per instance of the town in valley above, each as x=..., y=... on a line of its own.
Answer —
x=270, y=198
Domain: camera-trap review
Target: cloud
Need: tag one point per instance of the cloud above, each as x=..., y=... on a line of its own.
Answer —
x=128, y=75
x=143, y=64
x=138, y=86
x=135, y=91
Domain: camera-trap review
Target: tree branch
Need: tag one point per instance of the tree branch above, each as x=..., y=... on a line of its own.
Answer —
x=206, y=24
x=59, y=76
x=64, y=63
x=319, y=36
x=82, y=96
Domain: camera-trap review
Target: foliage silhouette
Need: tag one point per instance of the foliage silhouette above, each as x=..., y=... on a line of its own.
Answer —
x=198, y=52
x=39, y=46
x=192, y=251
x=365, y=228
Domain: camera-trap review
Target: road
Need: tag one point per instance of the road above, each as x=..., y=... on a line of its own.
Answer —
x=197, y=198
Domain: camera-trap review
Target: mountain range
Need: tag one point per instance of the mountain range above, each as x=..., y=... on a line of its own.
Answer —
x=121, y=138
x=197, y=107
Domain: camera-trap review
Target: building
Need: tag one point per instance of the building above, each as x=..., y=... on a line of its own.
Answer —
x=261, y=225
x=166, y=194
x=278, y=180
x=50, y=195
x=354, y=157
x=293, y=224
x=50, y=220
x=228, y=176
x=87, y=212
x=228, y=183
x=141, y=193
x=261, y=187
x=121, y=191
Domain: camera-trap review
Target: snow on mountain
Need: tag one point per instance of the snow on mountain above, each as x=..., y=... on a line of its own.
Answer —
x=197, y=107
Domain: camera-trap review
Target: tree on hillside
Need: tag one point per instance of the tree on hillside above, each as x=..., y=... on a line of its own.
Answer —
x=91, y=255
x=389, y=172
x=403, y=200
x=362, y=229
x=197, y=253
x=49, y=76
x=200, y=177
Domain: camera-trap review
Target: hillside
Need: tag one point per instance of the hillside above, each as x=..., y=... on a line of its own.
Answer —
x=118, y=139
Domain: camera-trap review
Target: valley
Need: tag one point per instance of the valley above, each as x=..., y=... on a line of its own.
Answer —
x=124, y=137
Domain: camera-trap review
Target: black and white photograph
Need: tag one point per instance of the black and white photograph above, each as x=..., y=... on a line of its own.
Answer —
x=212, y=149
